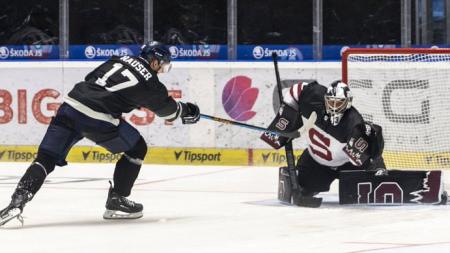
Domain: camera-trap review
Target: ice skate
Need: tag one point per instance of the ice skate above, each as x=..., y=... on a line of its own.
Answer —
x=119, y=207
x=15, y=208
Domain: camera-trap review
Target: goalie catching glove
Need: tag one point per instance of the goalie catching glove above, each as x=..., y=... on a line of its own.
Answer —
x=366, y=144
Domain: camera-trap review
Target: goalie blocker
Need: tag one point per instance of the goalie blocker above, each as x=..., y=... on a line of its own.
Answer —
x=395, y=187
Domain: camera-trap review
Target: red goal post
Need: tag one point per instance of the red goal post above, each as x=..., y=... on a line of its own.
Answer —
x=407, y=92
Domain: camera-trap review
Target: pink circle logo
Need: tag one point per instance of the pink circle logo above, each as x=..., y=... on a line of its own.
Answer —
x=238, y=98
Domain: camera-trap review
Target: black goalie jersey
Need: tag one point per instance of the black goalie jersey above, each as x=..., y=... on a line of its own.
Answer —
x=326, y=143
x=120, y=85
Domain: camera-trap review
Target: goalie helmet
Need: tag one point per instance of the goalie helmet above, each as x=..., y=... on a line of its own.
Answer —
x=337, y=100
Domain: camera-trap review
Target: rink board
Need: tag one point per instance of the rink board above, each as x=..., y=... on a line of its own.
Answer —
x=30, y=93
x=213, y=156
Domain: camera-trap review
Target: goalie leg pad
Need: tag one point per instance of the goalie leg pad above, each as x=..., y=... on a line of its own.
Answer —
x=288, y=196
x=284, y=186
x=397, y=187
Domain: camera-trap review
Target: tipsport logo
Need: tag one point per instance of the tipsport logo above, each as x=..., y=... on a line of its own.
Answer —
x=276, y=157
x=92, y=52
x=238, y=98
x=442, y=160
x=197, y=157
x=97, y=156
x=18, y=156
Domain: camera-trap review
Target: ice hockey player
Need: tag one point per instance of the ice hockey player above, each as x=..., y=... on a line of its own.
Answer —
x=339, y=140
x=92, y=110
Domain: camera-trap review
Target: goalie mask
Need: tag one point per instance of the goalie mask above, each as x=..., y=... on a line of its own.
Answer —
x=337, y=100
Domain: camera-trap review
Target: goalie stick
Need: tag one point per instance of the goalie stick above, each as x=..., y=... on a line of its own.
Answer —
x=296, y=195
x=290, y=159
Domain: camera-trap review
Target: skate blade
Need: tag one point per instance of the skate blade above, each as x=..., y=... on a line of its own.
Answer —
x=11, y=214
x=118, y=215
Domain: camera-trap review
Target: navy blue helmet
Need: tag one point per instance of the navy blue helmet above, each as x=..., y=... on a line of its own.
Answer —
x=155, y=50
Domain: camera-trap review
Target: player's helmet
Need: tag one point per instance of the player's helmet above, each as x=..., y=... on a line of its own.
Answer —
x=157, y=50
x=337, y=100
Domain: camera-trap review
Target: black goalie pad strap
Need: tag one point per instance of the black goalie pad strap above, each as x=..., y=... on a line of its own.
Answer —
x=287, y=120
x=397, y=187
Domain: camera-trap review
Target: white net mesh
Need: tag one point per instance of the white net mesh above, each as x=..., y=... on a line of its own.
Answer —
x=408, y=94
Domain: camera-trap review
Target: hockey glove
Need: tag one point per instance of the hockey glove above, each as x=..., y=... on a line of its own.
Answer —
x=190, y=113
x=366, y=142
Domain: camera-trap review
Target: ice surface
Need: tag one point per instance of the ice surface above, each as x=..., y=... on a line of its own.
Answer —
x=208, y=209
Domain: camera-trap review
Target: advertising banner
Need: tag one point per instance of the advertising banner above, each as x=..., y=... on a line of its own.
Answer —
x=179, y=52
x=195, y=52
x=34, y=52
x=31, y=92
x=100, y=52
x=199, y=52
x=285, y=52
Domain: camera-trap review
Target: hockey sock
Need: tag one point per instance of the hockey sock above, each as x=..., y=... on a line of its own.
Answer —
x=128, y=167
x=35, y=175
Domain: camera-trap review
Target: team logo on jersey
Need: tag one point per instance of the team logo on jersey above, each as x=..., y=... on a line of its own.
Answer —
x=258, y=52
x=282, y=124
x=4, y=52
x=238, y=98
x=90, y=52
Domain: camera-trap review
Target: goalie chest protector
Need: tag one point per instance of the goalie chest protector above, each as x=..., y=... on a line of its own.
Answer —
x=398, y=187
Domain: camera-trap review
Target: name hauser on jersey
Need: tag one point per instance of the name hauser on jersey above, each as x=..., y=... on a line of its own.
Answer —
x=138, y=66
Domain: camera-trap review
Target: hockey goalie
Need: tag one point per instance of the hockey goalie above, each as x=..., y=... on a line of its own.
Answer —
x=341, y=145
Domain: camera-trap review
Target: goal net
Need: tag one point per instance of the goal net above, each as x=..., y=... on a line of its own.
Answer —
x=407, y=92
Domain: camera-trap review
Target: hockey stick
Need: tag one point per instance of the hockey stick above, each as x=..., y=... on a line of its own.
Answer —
x=293, y=134
x=297, y=198
x=290, y=159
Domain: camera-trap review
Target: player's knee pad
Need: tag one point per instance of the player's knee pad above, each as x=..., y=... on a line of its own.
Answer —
x=137, y=154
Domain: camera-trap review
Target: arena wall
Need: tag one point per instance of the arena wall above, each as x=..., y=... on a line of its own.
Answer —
x=30, y=92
